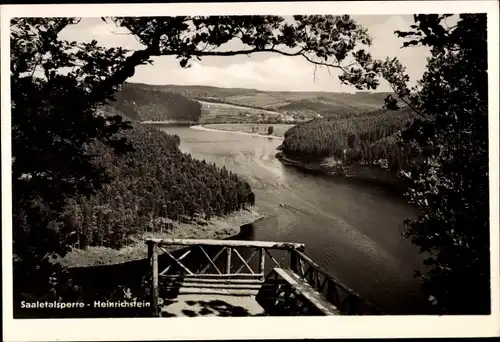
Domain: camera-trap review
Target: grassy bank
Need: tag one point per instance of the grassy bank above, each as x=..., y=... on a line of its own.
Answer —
x=216, y=228
x=255, y=128
x=170, y=123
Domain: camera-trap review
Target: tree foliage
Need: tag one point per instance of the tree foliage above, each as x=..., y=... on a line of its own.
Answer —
x=58, y=86
x=446, y=168
x=53, y=120
x=317, y=38
x=451, y=185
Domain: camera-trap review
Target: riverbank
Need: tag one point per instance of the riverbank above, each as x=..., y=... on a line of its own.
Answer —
x=218, y=228
x=279, y=130
x=169, y=123
x=358, y=173
x=237, y=129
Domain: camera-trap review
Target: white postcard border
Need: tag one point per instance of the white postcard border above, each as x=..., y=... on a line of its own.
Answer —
x=254, y=327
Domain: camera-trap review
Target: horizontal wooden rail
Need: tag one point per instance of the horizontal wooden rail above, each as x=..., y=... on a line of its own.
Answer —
x=228, y=243
x=308, y=292
x=231, y=261
x=220, y=276
x=322, y=270
x=312, y=277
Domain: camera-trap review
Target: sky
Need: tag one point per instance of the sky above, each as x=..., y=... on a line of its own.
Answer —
x=258, y=71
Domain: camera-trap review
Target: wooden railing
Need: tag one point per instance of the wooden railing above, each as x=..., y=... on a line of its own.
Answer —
x=342, y=297
x=211, y=264
x=232, y=259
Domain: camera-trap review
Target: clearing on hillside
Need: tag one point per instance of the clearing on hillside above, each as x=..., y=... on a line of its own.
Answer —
x=222, y=112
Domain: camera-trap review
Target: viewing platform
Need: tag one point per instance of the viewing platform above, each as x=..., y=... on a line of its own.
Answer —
x=244, y=278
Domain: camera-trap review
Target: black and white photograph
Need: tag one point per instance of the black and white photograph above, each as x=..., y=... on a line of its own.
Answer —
x=207, y=163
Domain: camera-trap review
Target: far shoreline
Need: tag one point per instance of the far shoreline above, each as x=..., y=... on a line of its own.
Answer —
x=204, y=127
x=361, y=174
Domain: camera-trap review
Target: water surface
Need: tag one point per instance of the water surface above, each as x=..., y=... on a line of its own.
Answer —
x=352, y=230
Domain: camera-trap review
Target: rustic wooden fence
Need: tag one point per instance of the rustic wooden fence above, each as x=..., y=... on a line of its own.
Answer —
x=229, y=260
x=342, y=297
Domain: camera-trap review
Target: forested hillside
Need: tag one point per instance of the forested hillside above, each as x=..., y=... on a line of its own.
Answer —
x=148, y=103
x=151, y=185
x=367, y=138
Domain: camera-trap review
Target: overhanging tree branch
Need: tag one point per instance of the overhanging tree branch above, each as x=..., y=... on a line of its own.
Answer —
x=408, y=102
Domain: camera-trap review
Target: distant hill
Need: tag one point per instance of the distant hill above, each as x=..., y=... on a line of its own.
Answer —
x=331, y=104
x=145, y=102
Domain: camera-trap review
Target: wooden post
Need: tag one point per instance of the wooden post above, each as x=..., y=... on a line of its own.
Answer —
x=228, y=260
x=262, y=262
x=333, y=294
x=153, y=260
x=329, y=292
x=311, y=276
x=293, y=261
x=353, y=305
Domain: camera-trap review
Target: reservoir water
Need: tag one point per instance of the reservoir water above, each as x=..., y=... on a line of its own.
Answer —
x=352, y=230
